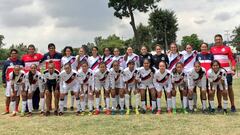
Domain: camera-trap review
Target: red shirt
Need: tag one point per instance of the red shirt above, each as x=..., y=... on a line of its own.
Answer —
x=31, y=59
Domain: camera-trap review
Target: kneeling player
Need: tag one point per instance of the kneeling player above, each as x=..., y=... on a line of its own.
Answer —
x=17, y=85
x=69, y=81
x=129, y=78
x=102, y=80
x=117, y=86
x=145, y=79
x=197, y=78
x=86, y=87
x=217, y=79
x=179, y=80
x=162, y=81
x=51, y=75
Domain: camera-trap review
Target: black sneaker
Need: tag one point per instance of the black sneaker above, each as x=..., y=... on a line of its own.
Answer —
x=204, y=111
x=212, y=111
x=225, y=111
x=233, y=109
x=47, y=113
x=143, y=111
x=60, y=113
x=191, y=111
x=71, y=108
x=64, y=108
x=56, y=113
x=219, y=109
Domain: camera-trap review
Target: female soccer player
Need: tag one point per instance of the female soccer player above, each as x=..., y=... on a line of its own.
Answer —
x=107, y=57
x=17, y=86
x=94, y=60
x=102, y=80
x=197, y=78
x=179, y=80
x=33, y=80
x=81, y=57
x=119, y=58
x=69, y=81
x=145, y=80
x=86, y=87
x=117, y=86
x=130, y=56
x=69, y=58
x=174, y=56
x=129, y=77
x=217, y=78
x=162, y=81
x=51, y=75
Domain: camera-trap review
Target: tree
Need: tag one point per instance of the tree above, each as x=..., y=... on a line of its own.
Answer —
x=193, y=40
x=236, y=38
x=126, y=8
x=144, y=34
x=1, y=41
x=22, y=49
x=163, y=25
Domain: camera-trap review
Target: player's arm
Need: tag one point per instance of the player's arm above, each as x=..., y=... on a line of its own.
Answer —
x=232, y=61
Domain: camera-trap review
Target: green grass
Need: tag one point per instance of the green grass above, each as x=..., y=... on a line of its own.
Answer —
x=70, y=124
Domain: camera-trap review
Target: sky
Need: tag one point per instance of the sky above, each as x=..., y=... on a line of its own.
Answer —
x=77, y=22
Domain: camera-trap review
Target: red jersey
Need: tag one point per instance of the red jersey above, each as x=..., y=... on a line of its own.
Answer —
x=31, y=59
x=224, y=55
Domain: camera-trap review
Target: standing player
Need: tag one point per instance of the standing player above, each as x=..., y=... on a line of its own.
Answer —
x=69, y=81
x=51, y=75
x=179, y=81
x=217, y=78
x=224, y=55
x=68, y=58
x=107, y=58
x=159, y=56
x=145, y=80
x=119, y=58
x=102, y=81
x=94, y=60
x=130, y=56
x=17, y=85
x=162, y=81
x=81, y=57
x=174, y=56
x=7, y=69
x=86, y=87
x=197, y=78
x=116, y=83
x=129, y=77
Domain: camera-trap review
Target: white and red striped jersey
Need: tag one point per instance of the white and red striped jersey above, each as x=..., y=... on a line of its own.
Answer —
x=224, y=55
x=133, y=57
x=129, y=76
x=36, y=80
x=197, y=78
x=102, y=78
x=71, y=60
x=31, y=59
x=68, y=79
x=108, y=61
x=17, y=79
x=116, y=80
x=121, y=61
x=179, y=78
x=173, y=60
x=86, y=78
x=80, y=59
x=94, y=63
x=216, y=77
x=145, y=76
x=188, y=60
x=161, y=80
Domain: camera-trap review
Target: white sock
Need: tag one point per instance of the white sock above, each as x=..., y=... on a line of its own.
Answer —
x=114, y=103
x=97, y=103
x=78, y=105
x=108, y=102
x=195, y=98
x=65, y=100
x=127, y=101
x=117, y=99
x=13, y=106
x=72, y=101
x=185, y=100
x=204, y=104
x=169, y=103
x=212, y=104
x=159, y=103
x=144, y=105
x=42, y=102
x=174, y=102
x=61, y=104
x=153, y=105
x=122, y=103
x=83, y=105
x=190, y=102
x=30, y=107
x=86, y=99
x=137, y=100
x=90, y=105
x=24, y=103
x=225, y=104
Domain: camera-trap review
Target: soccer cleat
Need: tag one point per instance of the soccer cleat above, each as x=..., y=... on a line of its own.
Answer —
x=194, y=108
x=78, y=113
x=191, y=111
x=225, y=111
x=212, y=111
x=29, y=114
x=42, y=113
x=158, y=112
x=143, y=111
x=204, y=111
x=56, y=113
x=4, y=113
x=82, y=113
x=136, y=111
x=128, y=112
x=64, y=108
x=219, y=109
x=47, y=113
x=60, y=113
x=185, y=111
x=97, y=112
x=71, y=108
x=108, y=112
x=130, y=107
x=22, y=114
x=113, y=112
x=13, y=114
x=121, y=112
x=233, y=109
x=90, y=113
x=174, y=111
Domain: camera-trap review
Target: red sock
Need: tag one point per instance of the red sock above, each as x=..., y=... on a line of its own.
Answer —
x=7, y=108
x=16, y=109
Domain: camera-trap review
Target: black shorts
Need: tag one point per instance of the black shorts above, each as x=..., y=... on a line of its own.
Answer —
x=229, y=79
x=51, y=85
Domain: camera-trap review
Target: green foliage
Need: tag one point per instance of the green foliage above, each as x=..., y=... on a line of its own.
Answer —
x=22, y=49
x=236, y=38
x=1, y=41
x=4, y=53
x=163, y=25
x=193, y=40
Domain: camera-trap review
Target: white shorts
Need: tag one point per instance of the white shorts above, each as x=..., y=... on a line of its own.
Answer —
x=166, y=88
x=145, y=86
x=199, y=84
x=215, y=85
x=72, y=87
x=119, y=85
x=99, y=86
x=181, y=86
x=86, y=87
x=131, y=87
x=9, y=89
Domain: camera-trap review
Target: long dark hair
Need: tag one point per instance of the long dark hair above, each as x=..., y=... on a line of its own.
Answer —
x=67, y=47
x=174, y=71
x=200, y=72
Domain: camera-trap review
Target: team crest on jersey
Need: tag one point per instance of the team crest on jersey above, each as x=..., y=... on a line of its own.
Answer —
x=11, y=64
x=223, y=49
x=48, y=57
x=163, y=58
x=35, y=57
x=149, y=57
x=199, y=58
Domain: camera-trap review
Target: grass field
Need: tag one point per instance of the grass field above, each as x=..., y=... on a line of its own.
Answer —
x=70, y=124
